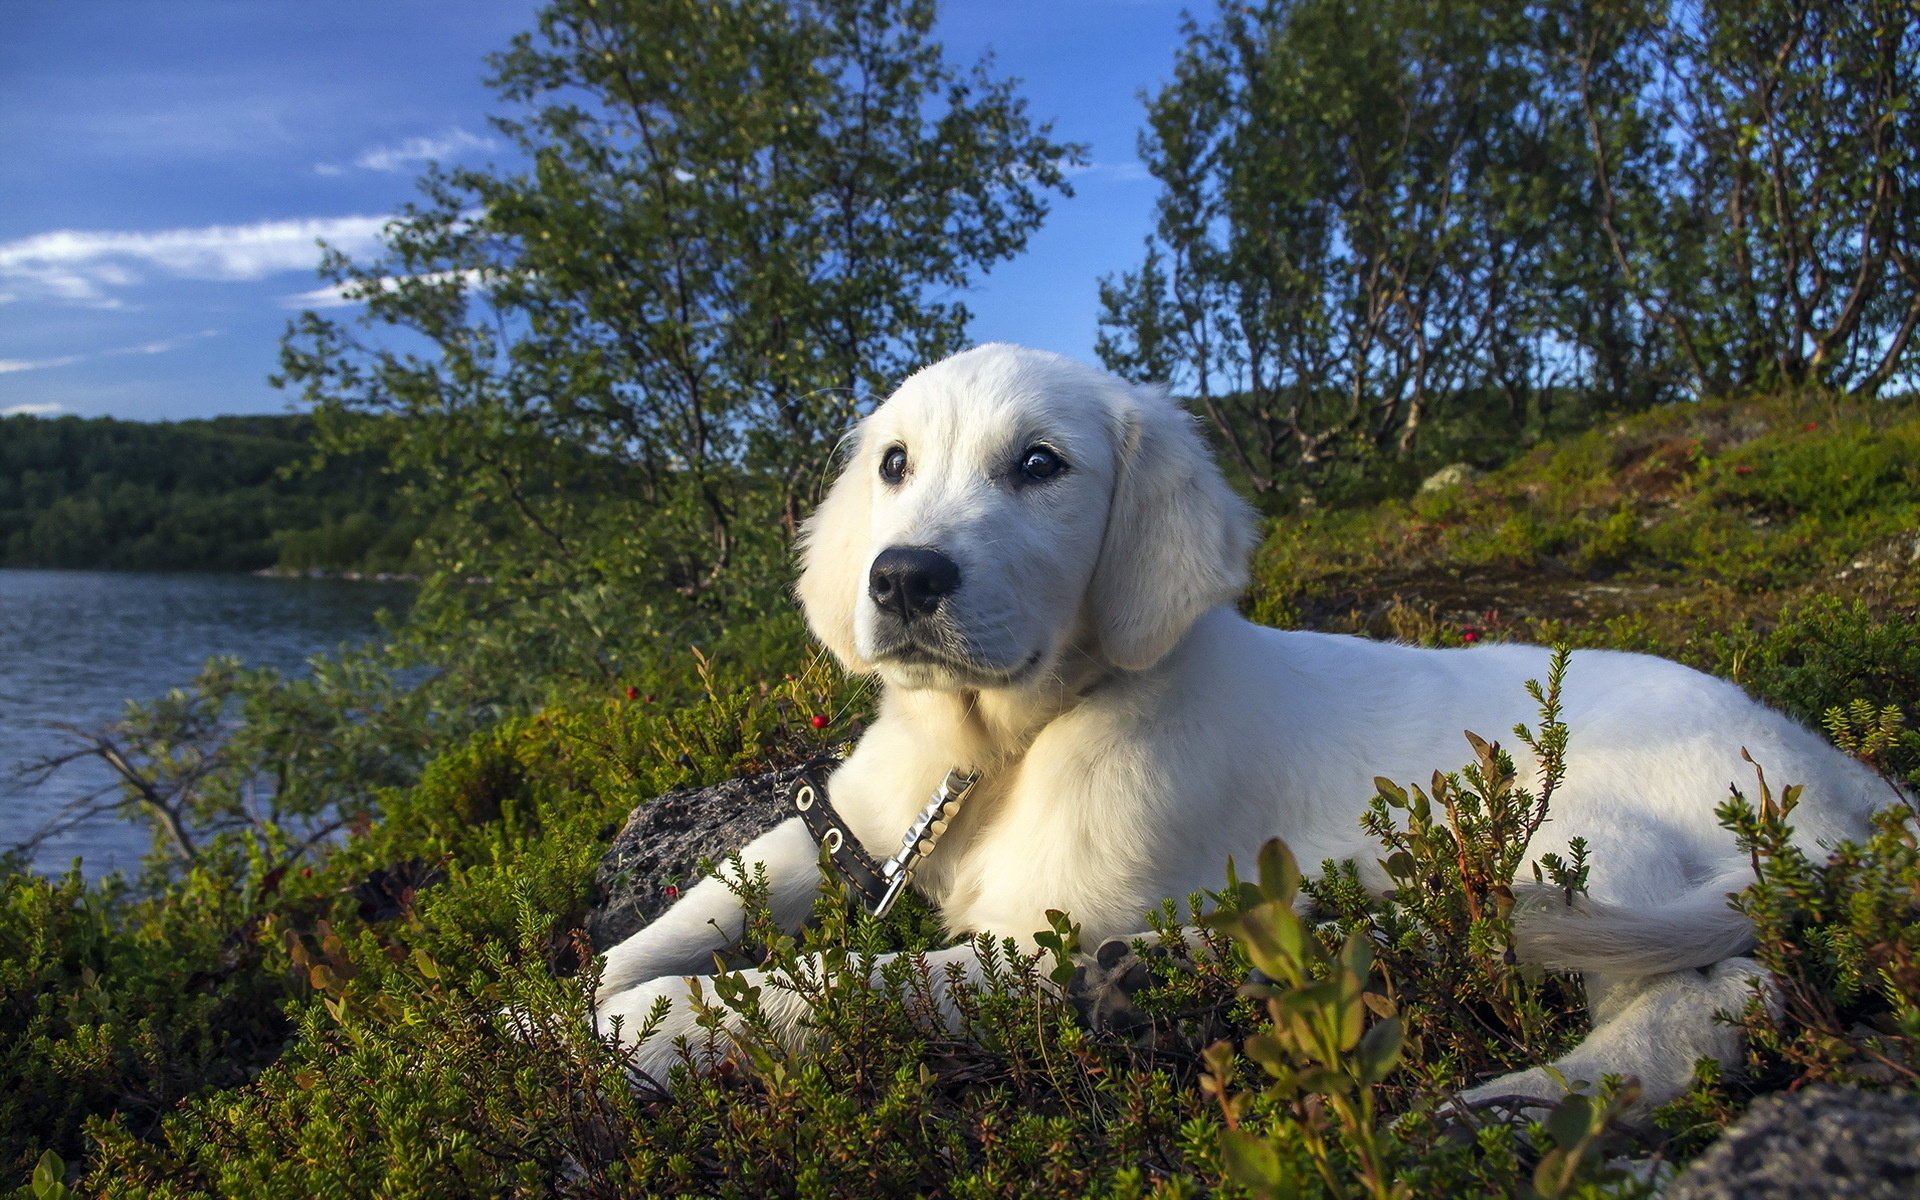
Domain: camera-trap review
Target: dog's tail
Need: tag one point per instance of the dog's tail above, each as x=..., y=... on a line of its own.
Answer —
x=1695, y=930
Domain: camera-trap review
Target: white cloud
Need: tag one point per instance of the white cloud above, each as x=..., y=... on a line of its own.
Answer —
x=81, y=266
x=335, y=295
x=9, y=366
x=30, y=410
x=329, y=169
x=163, y=345
x=413, y=152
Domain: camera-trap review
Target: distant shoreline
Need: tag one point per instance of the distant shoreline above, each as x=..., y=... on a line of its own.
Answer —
x=328, y=573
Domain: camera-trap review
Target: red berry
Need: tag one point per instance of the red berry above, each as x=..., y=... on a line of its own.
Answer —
x=672, y=892
x=819, y=721
x=648, y=697
x=1810, y=426
x=1469, y=635
x=633, y=693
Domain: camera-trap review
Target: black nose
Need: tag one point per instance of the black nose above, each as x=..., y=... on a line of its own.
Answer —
x=911, y=580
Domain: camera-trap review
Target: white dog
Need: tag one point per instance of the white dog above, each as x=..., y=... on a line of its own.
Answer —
x=1040, y=562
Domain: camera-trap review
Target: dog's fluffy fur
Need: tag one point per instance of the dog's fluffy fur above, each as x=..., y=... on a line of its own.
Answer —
x=1132, y=731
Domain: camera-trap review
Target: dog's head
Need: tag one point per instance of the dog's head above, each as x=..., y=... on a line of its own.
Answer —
x=1005, y=504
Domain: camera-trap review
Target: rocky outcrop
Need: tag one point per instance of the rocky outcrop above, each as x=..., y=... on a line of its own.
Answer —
x=1833, y=1142
x=657, y=853
x=1452, y=475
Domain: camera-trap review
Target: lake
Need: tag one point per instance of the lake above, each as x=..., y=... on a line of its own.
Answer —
x=76, y=645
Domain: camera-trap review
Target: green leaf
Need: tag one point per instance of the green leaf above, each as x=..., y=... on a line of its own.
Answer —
x=49, y=1178
x=1268, y=1051
x=1571, y=1120
x=1251, y=1160
x=1279, y=873
x=1379, y=1051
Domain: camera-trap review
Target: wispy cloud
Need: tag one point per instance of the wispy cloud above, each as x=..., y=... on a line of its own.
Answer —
x=410, y=154
x=163, y=345
x=9, y=366
x=84, y=267
x=336, y=295
x=31, y=410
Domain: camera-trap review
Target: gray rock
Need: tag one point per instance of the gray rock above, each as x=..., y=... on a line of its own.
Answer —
x=1452, y=475
x=660, y=848
x=1825, y=1141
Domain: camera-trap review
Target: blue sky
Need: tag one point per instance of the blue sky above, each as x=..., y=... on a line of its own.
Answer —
x=168, y=165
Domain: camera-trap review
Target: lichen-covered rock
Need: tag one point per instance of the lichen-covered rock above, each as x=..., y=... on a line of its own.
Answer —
x=658, y=852
x=1825, y=1141
x=1452, y=475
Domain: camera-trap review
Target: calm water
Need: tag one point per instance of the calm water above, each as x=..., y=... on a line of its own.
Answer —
x=75, y=645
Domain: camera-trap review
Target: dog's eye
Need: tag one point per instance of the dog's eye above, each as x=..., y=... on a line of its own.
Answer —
x=893, y=464
x=1040, y=463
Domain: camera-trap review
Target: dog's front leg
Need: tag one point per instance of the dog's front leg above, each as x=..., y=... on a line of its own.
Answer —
x=785, y=1002
x=709, y=917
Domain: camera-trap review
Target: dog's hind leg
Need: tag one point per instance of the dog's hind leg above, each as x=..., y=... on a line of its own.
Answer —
x=1652, y=1030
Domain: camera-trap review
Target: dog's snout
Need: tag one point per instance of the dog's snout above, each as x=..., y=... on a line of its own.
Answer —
x=910, y=581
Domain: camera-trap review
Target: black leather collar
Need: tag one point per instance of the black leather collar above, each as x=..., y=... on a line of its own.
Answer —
x=829, y=831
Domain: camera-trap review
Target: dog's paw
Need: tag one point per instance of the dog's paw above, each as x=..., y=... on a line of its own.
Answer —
x=1103, y=988
x=658, y=1026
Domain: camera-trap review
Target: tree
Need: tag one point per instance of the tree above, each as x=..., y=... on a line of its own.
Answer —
x=1335, y=248
x=1377, y=215
x=732, y=221
x=1792, y=190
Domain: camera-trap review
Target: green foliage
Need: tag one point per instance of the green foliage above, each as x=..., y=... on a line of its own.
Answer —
x=732, y=223
x=113, y=1004
x=1752, y=146
x=1319, y=1053
x=286, y=761
x=1839, y=664
x=1838, y=935
x=1445, y=939
x=225, y=494
x=1703, y=532
x=121, y=1005
x=1387, y=236
x=1314, y=1129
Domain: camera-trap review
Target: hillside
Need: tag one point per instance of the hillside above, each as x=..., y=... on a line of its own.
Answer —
x=261, y=1030
x=1705, y=532
x=212, y=495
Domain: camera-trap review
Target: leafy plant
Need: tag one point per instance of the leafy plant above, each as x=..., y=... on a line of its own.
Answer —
x=1445, y=936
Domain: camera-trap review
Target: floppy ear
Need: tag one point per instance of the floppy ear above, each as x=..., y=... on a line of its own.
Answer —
x=833, y=557
x=1177, y=536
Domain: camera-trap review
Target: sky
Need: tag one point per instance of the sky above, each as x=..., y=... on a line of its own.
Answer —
x=166, y=167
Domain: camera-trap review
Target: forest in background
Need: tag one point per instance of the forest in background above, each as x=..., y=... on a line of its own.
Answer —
x=224, y=494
